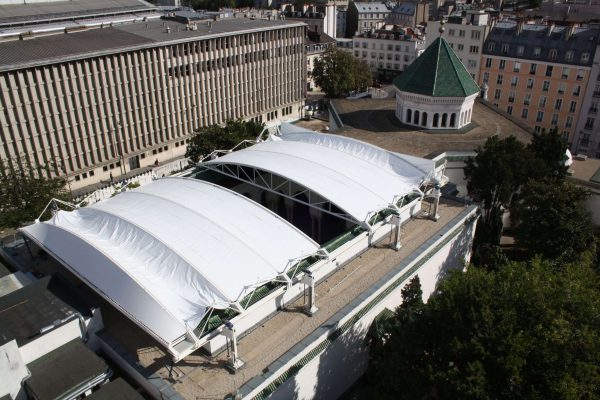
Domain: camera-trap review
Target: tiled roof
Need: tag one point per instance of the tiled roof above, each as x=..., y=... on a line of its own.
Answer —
x=437, y=73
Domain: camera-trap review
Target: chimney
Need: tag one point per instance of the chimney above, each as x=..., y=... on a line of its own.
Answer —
x=569, y=31
x=520, y=24
x=550, y=29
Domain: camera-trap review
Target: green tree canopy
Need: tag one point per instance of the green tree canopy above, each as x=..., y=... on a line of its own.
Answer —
x=338, y=73
x=525, y=331
x=549, y=153
x=499, y=168
x=217, y=137
x=24, y=193
x=551, y=221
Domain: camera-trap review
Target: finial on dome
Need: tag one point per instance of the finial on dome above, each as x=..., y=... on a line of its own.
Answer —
x=442, y=29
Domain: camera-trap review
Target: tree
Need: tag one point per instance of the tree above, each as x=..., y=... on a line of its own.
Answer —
x=525, y=331
x=551, y=221
x=337, y=73
x=549, y=153
x=24, y=193
x=494, y=176
x=216, y=137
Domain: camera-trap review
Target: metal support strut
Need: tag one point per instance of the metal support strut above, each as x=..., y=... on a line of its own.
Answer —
x=436, y=202
x=397, y=222
x=234, y=362
x=309, y=280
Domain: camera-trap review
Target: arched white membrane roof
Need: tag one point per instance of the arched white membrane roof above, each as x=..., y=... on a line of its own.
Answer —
x=357, y=177
x=167, y=251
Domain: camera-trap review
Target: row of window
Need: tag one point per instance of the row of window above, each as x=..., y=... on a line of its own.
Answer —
x=516, y=67
x=537, y=52
x=390, y=47
x=382, y=56
x=514, y=82
x=475, y=35
x=539, y=117
x=460, y=47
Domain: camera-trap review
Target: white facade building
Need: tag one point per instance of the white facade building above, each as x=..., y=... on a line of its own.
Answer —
x=465, y=36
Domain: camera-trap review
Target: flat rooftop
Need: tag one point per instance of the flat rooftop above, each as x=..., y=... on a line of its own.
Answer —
x=36, y=12
x=373, y=121
x=199, y=376
x=109, y=40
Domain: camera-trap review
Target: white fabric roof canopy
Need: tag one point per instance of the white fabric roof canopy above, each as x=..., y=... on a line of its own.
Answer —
x=166, y=252
x=357, y=177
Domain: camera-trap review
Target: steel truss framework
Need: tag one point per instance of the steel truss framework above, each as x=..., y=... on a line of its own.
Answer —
x=279, y=185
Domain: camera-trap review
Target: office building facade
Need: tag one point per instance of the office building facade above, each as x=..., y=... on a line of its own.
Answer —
x=100, y=103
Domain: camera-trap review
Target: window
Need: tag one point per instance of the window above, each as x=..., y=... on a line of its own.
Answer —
x=475, y=35
x=514, y=81
x=585, y=57
x=532, y=69
x=527, y=99
x=502, y=64
x=593, y=108
x=546, y=86
x=554, y=120
x=569, y=55
x=576, y=90
x=537, y=51
x=473, y=49
x=488, y=63
x=580, y=74
x=461, y=33
x=569, y=122
x=589, y=123
x=562, y=88
x=542, y=102
x=499, y=80
x=558, y=104
x=517, y=67
x=505, y=48
x=491, y=46
x=520, y=50
x=553, y=53
x=497, y=94
x=486, y=77
x=509, y=110
x=451, y=32
x=471, y=64
x=461, y=47
x=565, y=73
x=511, y=97
x=572, y=106
x=529, y=83
x=524, y=113
x=539, y=117
x=549, y=69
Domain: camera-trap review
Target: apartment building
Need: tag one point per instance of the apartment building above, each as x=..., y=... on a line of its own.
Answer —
x=389, y=50
x=363, y=17
x=465, y=34
x=586, y=139
x=539, y=73
x=321, y=18
x=316, y=45
x=96, y=103
x=409, y=14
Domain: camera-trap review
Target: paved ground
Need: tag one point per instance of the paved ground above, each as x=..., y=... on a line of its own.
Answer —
x=373, y=121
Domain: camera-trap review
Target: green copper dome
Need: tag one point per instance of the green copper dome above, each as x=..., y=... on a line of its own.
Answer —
x=437, y=73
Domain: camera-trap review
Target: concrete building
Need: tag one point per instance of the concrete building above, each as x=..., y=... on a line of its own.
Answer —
x=320, y=18
x=586, y=138
x=95, y=103
x=363, y=17
x=409, y=14
x=539, y=73
x=388, y=50
x=466, y=35
x=436, y=92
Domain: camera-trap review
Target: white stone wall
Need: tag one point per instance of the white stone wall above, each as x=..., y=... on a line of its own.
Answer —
x=386, y=53
x=434, y=112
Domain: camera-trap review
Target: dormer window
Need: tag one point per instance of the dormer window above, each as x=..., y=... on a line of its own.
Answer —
x=491, y=46
x=537, y=51
x=505, y=48
x=520, y=50
x=553, y=54
x=585, y=57
x=569, y=55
